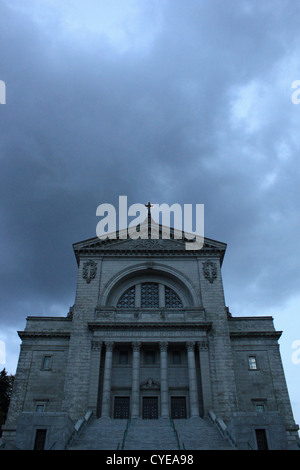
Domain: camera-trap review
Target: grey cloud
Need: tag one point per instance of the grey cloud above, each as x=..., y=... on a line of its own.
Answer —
x=85, y=123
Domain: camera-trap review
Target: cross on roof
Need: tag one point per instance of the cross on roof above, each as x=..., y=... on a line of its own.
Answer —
x=148, y=206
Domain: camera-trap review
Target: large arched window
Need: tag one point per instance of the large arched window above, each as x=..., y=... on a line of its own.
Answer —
x=149, y=295
x=128, y=299
x=172, y=300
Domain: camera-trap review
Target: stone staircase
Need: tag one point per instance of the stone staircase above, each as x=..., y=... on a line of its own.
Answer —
x=150, y=434
x=100, y=434
x=200, y=434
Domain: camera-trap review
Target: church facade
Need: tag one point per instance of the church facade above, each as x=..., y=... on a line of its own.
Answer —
x=150, y=340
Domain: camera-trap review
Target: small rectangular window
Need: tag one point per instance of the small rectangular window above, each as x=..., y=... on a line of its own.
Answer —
x=259, y=404
x=252, y=363
x=40, y=408
x=260, y=408
x=149, y=357
x=123, y=357
x=176, y=357
x=47, y=363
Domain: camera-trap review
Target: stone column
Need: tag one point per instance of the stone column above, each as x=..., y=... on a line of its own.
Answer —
x=94, y=374
x=194, y=404
x=106, y=396
x=135, y=392
x=164, y=386
x=205, y=375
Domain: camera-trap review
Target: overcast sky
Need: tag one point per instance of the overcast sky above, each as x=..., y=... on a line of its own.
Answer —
x=173, y=101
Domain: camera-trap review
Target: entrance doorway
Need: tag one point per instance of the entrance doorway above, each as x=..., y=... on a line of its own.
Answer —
x=40, y=439
x=178, y=407
x=121, y=410
x=261, y=439
x=150, y=407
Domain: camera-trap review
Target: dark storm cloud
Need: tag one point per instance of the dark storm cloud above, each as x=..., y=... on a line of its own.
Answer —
x=196, y=115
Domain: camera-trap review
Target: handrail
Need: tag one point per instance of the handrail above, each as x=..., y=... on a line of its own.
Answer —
x=81, y=423
x=125, y=434
x=53, y=446
x=222, y=428
x=175, y=432
x=225, y=433
x=70, y=439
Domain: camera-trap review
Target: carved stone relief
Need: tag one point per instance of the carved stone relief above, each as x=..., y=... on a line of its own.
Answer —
x=210, y=271
x=150, y=384
x=89, y=271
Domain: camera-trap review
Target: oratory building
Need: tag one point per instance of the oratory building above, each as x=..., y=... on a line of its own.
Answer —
x=149, y=357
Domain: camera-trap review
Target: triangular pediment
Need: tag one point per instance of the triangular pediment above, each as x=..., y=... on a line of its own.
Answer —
x=139, y=244
x=163, y=239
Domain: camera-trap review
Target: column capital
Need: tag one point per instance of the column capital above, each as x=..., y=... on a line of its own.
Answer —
x=136, y=345
x=163, y=345
x=96, y=345
x=190, y=345
x=202, y=345
x=109, y=345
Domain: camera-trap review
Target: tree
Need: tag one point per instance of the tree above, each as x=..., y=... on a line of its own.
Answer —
x=6, y=384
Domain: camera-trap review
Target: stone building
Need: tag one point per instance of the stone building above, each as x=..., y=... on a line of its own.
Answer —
x=149, y=357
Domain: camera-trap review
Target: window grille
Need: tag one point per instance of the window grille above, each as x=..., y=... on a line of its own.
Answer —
x=149, y=295
x=172, y=300
x=128, y=299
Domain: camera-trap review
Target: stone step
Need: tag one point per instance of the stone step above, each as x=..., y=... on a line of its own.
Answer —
x=200, y=434
x=150, y=434
x=153, y=434
x=100, y=434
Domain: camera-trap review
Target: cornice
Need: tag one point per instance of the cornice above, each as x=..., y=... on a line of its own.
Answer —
x=255, y=318
x=257, y=334
x=50, y=319
x=43, y=334
x=206, y=326
x=111, y=251
x=145, y=247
